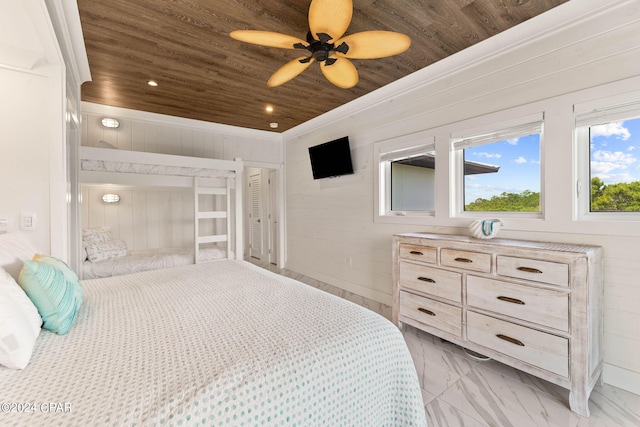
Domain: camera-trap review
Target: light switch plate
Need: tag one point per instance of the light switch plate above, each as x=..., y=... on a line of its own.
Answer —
x=27, y=221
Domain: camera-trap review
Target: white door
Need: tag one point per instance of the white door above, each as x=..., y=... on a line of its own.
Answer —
x=273, y=218
x=255, y=224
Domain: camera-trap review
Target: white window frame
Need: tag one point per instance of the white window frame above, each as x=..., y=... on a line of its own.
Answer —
x=592, y=114
x=494, y=132
x=386, y=152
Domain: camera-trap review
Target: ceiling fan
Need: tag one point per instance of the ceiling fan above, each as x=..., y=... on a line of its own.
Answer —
x=328, y=21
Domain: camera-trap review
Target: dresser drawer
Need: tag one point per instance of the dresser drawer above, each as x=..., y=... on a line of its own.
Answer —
x=433, y=313
x=537, y=348
x=442, y=283
x=554, y=273
x=475, y=261
x=418, y=253
x=541, y=306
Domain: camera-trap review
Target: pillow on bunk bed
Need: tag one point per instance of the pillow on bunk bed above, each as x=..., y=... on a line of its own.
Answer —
x=19, y=324
x=100, y=234
x=101, y=251
x=15, y=249
x=55, y=291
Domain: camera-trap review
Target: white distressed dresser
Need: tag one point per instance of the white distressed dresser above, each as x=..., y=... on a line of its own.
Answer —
x=531, y=305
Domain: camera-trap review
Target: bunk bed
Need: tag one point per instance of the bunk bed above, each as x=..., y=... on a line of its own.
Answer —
x=206, y=177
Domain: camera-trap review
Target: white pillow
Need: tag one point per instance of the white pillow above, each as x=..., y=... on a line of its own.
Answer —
x=19, y=324
x=15, y=249
x=101, y=234
x=100, y=251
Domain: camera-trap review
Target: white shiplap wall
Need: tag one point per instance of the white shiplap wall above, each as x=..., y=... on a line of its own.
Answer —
x=144, y=217
x=580, y=51
x=156, y=133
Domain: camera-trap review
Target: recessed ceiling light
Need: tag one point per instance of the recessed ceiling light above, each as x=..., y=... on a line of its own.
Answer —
x=108, y=122
x=152, y=83
x=273, y=125
x=269, y=109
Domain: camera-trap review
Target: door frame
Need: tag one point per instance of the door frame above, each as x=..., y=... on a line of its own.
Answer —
x=279, y=202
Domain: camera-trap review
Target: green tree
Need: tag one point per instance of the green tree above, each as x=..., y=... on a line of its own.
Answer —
x=619, y=197
x=527, y=201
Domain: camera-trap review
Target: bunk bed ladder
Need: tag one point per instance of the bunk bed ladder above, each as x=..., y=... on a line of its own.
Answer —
x=211, y=215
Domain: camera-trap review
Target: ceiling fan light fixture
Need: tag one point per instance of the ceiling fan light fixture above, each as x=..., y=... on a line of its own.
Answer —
x=328, y=21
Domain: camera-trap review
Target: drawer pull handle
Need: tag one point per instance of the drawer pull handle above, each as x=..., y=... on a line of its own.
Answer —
x=467, y=260
x=511, y=340
x=530, y=270
x=426, y=279
x=511, y=300
x=416, y=253
x=424, y=310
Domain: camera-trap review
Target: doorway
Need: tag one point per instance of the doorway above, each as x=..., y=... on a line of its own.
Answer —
x=262, y=203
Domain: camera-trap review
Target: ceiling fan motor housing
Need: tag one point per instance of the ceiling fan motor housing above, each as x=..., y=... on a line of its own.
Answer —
x=321, y=48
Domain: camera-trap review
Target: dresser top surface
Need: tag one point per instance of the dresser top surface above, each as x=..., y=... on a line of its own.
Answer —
x=524, y=244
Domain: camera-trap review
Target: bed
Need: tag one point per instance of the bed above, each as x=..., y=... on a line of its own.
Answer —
x=223, y=343
x=149, y=259
x=217, y=210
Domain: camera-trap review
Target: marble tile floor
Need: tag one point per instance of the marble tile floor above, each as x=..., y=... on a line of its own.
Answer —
x=460, y=390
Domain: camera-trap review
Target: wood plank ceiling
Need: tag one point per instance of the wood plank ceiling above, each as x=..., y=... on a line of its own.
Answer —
x=204, y=74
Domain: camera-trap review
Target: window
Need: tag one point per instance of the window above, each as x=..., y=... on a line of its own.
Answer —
x=498, y=170
x=608, y=145
x=406, y=177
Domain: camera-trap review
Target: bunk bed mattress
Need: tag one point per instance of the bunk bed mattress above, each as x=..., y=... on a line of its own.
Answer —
x=148, y=259
x=221, y=343
x=142, y=168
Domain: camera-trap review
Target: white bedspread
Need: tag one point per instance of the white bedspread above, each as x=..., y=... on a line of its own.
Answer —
x=222, y=343
x=148, y=259
x=126, y=167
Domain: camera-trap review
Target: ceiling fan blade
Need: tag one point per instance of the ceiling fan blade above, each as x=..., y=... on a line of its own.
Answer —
x=288, y=71
x=330, y=17
x=267, y=38
x=374, y=44
x=341, y=73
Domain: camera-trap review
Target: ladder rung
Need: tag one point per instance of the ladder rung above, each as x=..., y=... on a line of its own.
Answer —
x=212, y=239
x=209, y=190
x=212, y=214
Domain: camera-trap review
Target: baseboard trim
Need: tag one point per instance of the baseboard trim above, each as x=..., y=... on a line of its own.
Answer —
x=622, y=378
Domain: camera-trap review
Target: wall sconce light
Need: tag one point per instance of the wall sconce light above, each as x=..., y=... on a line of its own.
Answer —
x=110, y=198
x=110, y=123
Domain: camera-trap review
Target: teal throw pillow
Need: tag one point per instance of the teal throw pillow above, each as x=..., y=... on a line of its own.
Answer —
x=55, y=291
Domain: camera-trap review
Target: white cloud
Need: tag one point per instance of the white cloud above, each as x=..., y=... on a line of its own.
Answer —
x=631, y=148
x=488, y=155
x=520, y=160
x=616, y=178
x=611, y=129
x=604, y=162
x=513, y=141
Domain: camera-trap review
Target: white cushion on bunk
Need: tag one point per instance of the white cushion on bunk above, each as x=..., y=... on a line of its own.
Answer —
x=100, y=234
x=100, y=251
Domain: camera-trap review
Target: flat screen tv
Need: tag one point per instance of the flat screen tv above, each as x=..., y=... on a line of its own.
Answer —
x=331, y=159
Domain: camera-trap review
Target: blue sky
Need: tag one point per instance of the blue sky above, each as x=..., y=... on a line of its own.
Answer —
x=519, y=161
x=614, y=150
